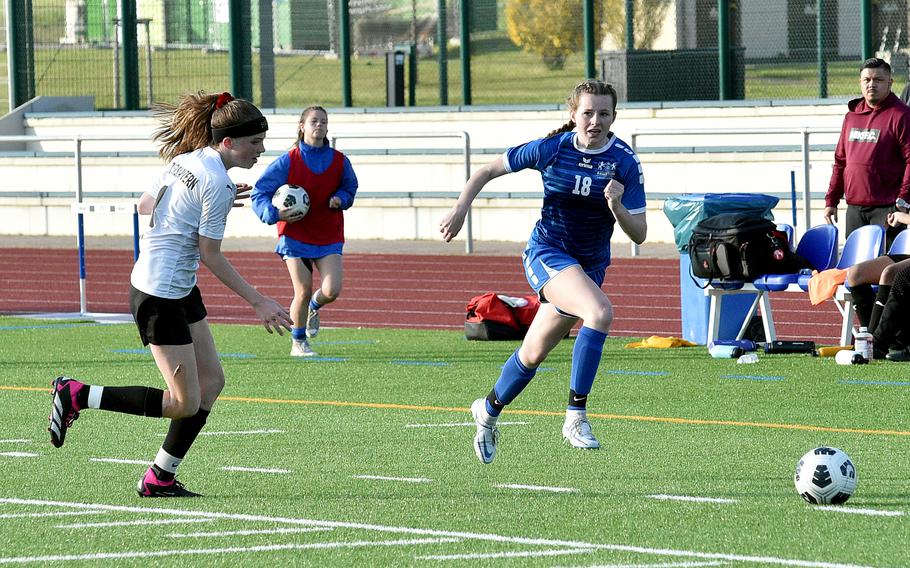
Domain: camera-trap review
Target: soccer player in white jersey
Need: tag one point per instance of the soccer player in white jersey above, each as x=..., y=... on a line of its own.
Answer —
x=592, y=181
x=202, y=137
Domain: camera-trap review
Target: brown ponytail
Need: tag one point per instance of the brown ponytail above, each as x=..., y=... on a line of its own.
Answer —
x=188, y=125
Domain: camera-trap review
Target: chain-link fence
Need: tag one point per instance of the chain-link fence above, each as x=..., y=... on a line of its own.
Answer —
x=518, y=51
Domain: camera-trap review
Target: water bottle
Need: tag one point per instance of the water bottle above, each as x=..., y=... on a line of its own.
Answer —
x=862, y=343
x=748, y=358
x=844, y=357
x=725, y=351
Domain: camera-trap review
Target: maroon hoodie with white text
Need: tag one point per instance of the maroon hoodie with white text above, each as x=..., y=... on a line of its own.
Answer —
x=872, y=158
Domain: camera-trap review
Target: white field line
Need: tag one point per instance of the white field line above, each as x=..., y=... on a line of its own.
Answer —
x=489, y=537
x=247, y=533
x=516, y=554
x=15, y=441
x=661, y=565
x=236, y=433
x=255, y=469
x=19, y=454
x=461, y=424
x=54, y=514
x=134, y=523
x=115, y=460
x=227, y=550
x=692, y=499
x=857, y=511
x=385, y=478
x=536, y=487
x=242, y=433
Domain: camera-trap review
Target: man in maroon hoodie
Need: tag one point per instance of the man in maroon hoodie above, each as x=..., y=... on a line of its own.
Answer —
x=872, y=158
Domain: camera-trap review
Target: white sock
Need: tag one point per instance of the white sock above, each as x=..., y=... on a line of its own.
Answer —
x=94, y=396
x=167, y=462
x=572, y=414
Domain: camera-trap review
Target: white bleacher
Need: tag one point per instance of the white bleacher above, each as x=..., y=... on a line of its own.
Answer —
x=407, y=185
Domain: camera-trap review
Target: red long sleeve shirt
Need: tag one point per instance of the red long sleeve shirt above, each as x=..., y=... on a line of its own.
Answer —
x=872, y=158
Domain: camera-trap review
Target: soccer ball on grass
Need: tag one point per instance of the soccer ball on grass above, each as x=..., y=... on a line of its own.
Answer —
x=825, y=476
x=292, y=198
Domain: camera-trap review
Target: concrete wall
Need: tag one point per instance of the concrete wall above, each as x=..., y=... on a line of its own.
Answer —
x=397, y=174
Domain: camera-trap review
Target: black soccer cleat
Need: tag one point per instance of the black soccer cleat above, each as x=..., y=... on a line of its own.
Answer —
x=151, y=486
x=65, y=409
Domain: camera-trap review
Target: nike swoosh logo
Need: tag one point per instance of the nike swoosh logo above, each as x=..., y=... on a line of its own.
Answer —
x=487, y=455
x=578, y=398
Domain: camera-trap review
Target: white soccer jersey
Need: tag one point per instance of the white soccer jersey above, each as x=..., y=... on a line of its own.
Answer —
x=194, y=196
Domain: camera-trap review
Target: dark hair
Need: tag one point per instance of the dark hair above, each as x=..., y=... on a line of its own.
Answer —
x=876, y=63
x=188, y=125
x=586, y=87
x=303, y=116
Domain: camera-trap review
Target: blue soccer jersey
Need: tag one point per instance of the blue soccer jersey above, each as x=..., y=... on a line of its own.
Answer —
x=575, y=216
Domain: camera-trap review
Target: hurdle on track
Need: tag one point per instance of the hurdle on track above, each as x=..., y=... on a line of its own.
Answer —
x=81, y=209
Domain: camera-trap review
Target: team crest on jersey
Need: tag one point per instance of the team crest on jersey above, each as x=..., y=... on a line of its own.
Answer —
x=606, y=169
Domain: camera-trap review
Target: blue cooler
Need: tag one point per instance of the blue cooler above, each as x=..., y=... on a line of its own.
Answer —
x=685, y=212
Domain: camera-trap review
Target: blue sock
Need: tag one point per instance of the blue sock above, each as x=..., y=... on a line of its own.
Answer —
x=298, y=333
x=514, y=378
x=314, y=305
x=589, y=346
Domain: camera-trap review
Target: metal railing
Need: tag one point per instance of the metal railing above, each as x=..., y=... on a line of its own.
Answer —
x=803, y=132
x=466, y=142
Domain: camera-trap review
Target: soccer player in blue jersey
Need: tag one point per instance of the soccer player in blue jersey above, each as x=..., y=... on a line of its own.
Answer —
x=592, y=181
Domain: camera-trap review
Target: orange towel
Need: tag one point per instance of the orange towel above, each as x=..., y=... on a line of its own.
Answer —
x=823, y=285
x=657, y=342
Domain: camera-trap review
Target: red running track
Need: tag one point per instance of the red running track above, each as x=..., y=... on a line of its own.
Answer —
x=383, y=290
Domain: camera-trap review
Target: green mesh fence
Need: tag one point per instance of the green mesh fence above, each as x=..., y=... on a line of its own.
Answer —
x=521, y=51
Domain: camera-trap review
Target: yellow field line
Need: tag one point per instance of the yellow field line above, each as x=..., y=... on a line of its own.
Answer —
x=664, y=419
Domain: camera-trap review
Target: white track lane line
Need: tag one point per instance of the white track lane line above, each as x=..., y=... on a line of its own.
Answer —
x=536, y=487
x=19, y=454
x=692, y=498
x=857, y=511
x=247, y=533
x=226, y=550
x=255, y=469
x=386, y=478
x=461, y=424
x=461, y=535
x=516, y=554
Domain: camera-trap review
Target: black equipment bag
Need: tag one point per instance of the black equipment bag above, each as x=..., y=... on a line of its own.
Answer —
x=740, y=246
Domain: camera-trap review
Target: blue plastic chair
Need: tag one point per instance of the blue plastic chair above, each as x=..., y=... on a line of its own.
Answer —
x=788, y=230
x=862, y=244
x=901, y=243
x=818, y=246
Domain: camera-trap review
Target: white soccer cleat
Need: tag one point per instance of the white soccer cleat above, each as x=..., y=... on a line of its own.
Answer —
x=487, y=433
x=301, y=348
x=577, y=431
x=312, y=322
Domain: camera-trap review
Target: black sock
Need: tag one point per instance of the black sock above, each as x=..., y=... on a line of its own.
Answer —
x=494, y=402
x=182, y=433
x=577, y=400
x=161, y=474
x=141, y=401
x=863, y=299
x=884, y=290
x=82, y=396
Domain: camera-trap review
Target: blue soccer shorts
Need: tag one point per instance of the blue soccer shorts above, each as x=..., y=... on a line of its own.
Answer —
x=543, y=262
